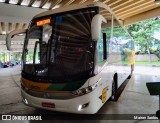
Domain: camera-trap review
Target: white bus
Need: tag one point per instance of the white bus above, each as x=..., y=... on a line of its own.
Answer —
x=70, y=63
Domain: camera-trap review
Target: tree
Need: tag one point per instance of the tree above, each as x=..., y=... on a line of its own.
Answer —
x=142, y=32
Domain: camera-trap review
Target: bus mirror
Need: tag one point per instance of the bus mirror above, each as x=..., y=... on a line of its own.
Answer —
x=11, y=35
x=96, y=26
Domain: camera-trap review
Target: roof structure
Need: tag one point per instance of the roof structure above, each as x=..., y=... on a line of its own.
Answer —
x=16, y=14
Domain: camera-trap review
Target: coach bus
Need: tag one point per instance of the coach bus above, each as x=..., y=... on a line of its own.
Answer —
x=74, y=58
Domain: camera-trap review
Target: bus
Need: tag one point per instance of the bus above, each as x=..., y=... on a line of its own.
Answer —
x=74, y=58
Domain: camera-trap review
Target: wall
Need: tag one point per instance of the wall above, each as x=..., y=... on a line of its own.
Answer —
x=146, y=57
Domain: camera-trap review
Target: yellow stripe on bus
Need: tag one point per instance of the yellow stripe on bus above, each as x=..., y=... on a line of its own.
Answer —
x=39, y=86
x=35, y=85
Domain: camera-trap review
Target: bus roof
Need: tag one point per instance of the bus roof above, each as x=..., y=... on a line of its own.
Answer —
x=103, y=7
x=75, y=7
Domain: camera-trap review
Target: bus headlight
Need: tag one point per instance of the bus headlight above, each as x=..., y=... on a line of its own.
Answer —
x=86, y=90
x=80, y=107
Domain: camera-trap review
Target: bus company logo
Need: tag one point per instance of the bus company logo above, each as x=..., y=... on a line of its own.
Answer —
x=6, y=117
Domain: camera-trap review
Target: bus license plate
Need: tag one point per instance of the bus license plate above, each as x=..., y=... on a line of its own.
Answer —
x=48, y=105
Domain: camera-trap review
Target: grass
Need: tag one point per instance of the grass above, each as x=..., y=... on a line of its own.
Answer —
x=147, y=63
x=143, y=63
x=136, y=63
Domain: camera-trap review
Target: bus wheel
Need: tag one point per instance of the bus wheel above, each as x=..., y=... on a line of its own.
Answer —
x=114, y=87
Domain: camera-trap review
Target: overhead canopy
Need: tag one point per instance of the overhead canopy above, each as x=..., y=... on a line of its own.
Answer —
x=15, y=14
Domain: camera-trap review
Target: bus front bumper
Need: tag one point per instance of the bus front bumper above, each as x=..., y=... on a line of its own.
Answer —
x=86, y=104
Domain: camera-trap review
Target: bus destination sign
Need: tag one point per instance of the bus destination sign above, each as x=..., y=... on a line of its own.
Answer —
x=43, y=22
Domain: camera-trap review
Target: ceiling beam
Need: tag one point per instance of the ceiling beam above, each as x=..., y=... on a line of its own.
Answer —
x=115, y=2
x=9, y=27
x=43, y=3
x=19, y=2
x=121, y=3
x=69, y=2
x=17, y=26
x=143, y=16
x=24, y=26
x=66, y=2
x=82, y=1
x=108, y=17
x=77, y=1
x=95, y=0
x=105, y=1
x=137, y=11
x=133, y=8
x=53, y=4
x=21, y=26
x=63, y=3
x=13, y=26
x=124, y=7
x=105, y=13
x=3, y=27
x=31, y=3
x=111, y=2
x=6, y=28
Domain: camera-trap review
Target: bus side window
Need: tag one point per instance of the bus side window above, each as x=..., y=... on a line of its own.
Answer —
x=43, y=52
x=101, y=54
x=104, y=46
x=47, y=30
x=100, y=51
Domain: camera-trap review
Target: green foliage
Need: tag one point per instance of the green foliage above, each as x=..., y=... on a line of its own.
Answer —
x=2, y=57
x=16, y=56
x=147, y=63
x=142, y=33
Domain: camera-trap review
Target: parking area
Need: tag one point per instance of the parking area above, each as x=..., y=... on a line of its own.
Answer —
x=135, y=98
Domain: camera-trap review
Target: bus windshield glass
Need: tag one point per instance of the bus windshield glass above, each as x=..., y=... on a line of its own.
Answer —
x=59, y=47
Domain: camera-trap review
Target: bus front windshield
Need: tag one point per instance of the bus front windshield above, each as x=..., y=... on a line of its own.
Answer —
x=59, y=47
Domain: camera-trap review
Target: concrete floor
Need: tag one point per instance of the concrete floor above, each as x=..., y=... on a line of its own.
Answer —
x=135, y=99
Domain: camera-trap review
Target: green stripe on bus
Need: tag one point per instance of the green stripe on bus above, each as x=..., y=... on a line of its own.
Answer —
x=56, y=87
x=71, y=86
